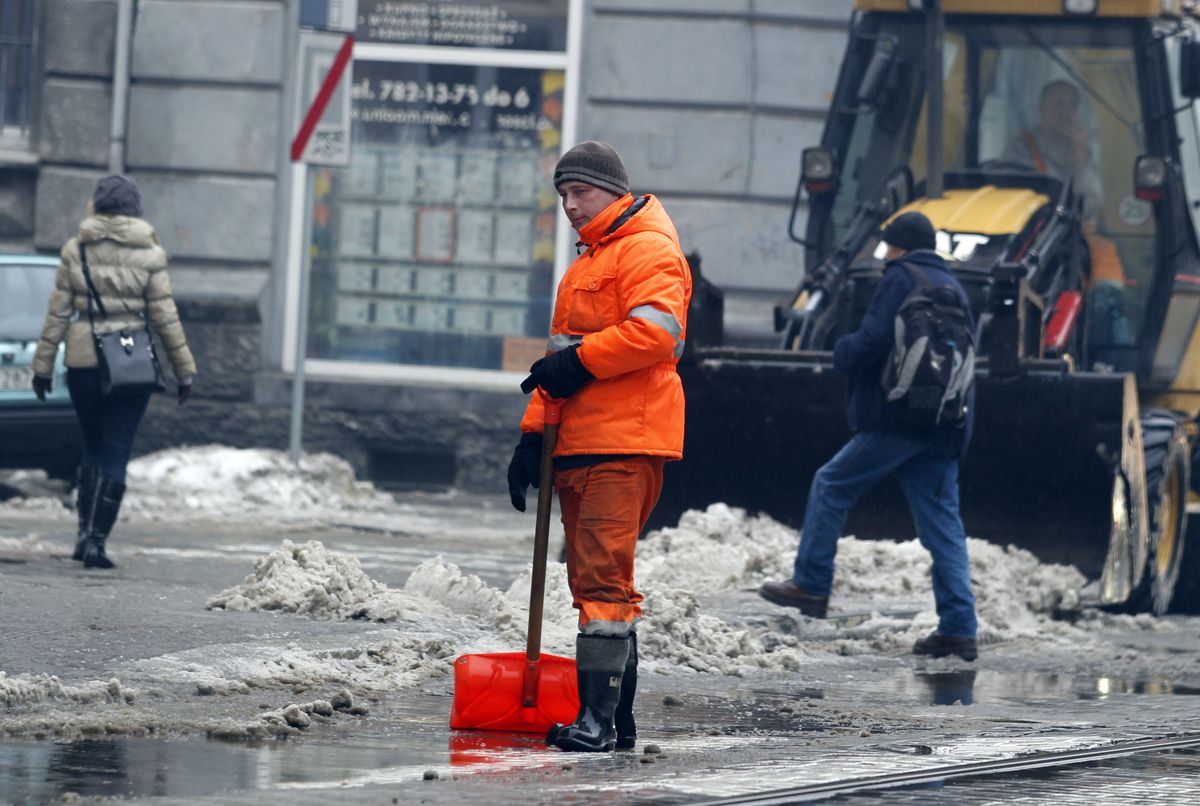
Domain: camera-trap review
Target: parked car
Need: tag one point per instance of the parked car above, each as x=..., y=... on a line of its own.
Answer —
x=33, y=434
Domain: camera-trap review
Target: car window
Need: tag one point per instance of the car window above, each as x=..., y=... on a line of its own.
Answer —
x=24, y=294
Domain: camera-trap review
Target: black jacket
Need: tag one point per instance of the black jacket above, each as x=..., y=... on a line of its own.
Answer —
x=863, y=353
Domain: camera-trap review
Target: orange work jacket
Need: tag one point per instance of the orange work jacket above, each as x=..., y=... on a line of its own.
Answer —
x=626, y=300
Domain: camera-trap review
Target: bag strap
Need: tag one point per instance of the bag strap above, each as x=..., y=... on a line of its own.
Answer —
x=917, y=275
x=92, y=292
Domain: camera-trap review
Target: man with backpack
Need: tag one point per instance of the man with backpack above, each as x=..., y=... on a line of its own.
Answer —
x=910, y=403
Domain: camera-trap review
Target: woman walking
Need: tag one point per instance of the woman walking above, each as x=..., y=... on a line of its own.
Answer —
x=128, y=274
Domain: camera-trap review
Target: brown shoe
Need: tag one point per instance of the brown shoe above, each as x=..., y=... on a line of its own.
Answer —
x=788, y=595
x=939, y=646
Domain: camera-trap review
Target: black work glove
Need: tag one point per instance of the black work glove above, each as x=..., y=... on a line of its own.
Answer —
x=525, y=469
x=184, y=392
x=560, y=374
x=42, y=386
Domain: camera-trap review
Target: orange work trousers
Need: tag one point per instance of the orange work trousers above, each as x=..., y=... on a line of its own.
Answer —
x=604, y=508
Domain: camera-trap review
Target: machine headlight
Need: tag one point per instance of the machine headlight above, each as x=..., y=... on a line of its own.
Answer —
x=817, y=169
x=1079, y=6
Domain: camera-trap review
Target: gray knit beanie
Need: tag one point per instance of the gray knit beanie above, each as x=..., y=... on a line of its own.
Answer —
x=117, y=195
x=593, y=163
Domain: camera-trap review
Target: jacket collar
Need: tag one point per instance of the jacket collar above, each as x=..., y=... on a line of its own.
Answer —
x=602, y=225
x=127, y=230
x=920, y=257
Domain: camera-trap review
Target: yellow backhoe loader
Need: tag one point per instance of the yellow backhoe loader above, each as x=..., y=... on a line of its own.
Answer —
x=1056, y=148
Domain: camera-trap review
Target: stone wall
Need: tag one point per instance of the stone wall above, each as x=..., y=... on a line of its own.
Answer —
x=709, y=101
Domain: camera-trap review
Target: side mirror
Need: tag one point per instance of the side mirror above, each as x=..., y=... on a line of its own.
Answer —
x=878, y=69
x=1149, y=178
x=818, y=172
x=1189, y=69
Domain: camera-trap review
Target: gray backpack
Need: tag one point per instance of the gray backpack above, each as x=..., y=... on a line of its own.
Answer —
x=932, y=364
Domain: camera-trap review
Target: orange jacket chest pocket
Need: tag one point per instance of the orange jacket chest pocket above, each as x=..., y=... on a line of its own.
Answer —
x=593, y=305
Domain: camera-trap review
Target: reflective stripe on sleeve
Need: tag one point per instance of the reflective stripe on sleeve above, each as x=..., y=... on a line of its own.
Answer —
x=664, y=320
x=561, y=341
x=656, y=317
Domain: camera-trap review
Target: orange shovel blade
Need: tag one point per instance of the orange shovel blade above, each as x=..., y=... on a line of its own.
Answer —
x=488, y=693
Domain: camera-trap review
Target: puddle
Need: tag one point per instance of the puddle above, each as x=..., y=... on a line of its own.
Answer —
x=971, y=686
x=412, y=740
x=192, y=767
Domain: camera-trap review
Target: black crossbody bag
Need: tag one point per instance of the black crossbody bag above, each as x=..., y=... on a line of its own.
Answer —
x=127, y=361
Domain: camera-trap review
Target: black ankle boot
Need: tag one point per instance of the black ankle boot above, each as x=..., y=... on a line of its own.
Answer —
x=623, y=717
x=108, y=504
x=600, y=664
x=86, y=479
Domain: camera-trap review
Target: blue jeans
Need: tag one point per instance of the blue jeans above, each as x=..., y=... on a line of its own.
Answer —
x=930, y=485
x=109, y=424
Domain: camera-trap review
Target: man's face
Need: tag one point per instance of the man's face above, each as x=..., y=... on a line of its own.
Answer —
x=583, y=202
x=1060, y=110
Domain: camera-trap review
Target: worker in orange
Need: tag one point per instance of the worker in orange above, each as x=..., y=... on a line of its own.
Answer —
x=618, y=330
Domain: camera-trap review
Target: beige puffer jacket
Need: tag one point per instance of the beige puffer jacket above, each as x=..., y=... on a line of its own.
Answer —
x=129, y=269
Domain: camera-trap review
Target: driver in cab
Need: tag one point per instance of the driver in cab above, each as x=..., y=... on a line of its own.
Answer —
x=1060, y=146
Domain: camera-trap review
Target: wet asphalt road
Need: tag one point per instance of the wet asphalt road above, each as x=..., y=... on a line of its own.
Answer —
x=718, y=736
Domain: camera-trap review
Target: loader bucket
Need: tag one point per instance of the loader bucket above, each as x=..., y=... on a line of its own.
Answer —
x=1039, y=473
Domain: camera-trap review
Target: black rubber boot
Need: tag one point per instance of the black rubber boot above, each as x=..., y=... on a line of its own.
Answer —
x=86, y=479
x=623, y=717
x=600, y=664
x=108, y=504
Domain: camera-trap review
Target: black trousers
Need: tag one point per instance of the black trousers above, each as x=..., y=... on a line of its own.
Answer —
x=109, y=424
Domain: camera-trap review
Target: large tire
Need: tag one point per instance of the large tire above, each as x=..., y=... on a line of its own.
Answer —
x=1168, y=464
x=1187, y=587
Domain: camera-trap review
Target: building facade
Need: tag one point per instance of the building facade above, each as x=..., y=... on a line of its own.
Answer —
x=432, y=256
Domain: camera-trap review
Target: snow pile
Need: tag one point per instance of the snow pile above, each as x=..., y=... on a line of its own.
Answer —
x=49, y=506
x=724, y=549
x=28, y=690
x=675, y=634
x=310, y=580
x=396, y=661
x=720, y=548
x=215, y=479
x=504, y=615
x=32, y=543
x=386, y=665
x=878, y=585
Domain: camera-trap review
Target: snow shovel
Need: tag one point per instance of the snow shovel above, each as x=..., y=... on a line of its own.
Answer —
x=523, y=692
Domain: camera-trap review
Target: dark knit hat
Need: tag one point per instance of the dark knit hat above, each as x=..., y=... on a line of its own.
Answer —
x=910, y=231
x=593, y=163
x=117, y=195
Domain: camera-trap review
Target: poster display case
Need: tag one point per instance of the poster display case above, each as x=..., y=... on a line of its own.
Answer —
x=437, y=246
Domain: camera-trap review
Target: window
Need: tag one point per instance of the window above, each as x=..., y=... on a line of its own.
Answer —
x=434, y=253
x=436, y=246
x=1013, y=90
x=16, y=68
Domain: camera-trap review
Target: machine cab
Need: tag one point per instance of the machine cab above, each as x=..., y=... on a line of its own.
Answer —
x=1070, y=147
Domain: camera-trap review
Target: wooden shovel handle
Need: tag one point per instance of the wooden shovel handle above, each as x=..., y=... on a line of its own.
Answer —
x=541, y=540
